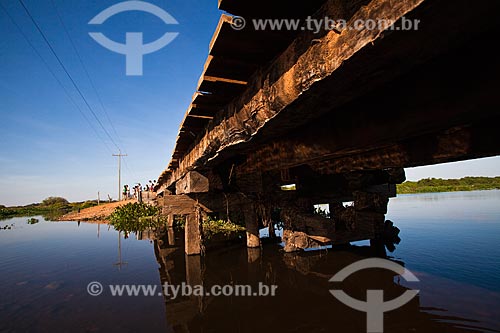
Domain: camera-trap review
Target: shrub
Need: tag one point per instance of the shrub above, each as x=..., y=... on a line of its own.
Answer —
x=88, y=204
x=134, y=217
x=214, y=227
x=55, y=201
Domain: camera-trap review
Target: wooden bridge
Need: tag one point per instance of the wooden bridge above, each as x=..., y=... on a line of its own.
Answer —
x=338, y=113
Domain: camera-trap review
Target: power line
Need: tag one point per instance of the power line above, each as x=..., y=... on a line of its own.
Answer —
x=55, y=76
x=130, y=171
x=73, y=44
x=80, y=59
x=67, y=73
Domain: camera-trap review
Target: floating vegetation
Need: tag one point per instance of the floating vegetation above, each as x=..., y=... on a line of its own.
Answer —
x=134, y=217
x=227, y=229
x=33, y=221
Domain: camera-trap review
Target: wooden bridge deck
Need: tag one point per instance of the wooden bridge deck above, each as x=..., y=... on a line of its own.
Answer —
x=337, y=113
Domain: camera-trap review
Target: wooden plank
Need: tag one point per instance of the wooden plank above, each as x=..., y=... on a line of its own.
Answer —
x=252, y=226
x=228, y=68
x=271, y=9
x=193, y=182
x=201, y=111
x=230, y=90
x=261, y=105
x=180, y=205
x=192, y=234
x=300, y=87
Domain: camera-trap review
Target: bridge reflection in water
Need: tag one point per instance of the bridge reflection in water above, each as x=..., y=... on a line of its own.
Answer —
x=302, y=302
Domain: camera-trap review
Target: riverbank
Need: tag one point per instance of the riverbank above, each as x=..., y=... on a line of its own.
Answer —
x=433, y=185
x=50, y=208
x=97, y=213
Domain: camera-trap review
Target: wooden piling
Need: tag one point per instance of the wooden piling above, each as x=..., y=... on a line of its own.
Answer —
x=192, y=234
x=252, y=226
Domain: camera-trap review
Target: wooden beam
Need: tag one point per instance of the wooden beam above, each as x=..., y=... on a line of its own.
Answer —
x=271, y=9
x=252, y=226
x=193, y=182
x=324, y=76
x=192, y=233
x=250, y=112
x=223, y=79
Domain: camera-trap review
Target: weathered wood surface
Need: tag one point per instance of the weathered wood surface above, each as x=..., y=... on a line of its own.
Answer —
x=252, y=226
x=363, y=220
x=374, y=202
x=192, y=182
x=179, y=205
x=302, y=230
x=269, y=96
x=193, y=233
x=300, y=86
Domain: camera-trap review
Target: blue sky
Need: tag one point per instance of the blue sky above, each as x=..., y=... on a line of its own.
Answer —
x=47, y=147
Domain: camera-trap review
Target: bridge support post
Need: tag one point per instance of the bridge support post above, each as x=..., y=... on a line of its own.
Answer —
x=171, y=236
x=370, y=209
x=252, y=226
x=170, y=220
x=193, y=234
x=193, y=271
x=170, y=230
x=253, y=255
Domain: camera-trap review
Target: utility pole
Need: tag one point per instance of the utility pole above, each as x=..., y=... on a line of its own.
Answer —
x=120, y=263
x=119, y=155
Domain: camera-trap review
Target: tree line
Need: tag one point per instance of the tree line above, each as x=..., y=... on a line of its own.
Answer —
x=449, y=185
x=51, y=208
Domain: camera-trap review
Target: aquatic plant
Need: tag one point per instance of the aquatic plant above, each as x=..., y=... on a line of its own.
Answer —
x=33, y=221
x=212, y=227
x=134, y=217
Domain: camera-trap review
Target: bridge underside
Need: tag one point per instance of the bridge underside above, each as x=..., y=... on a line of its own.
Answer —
x=339, y=115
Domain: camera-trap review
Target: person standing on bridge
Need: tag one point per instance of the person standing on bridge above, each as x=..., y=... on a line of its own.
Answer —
x=139, y=193
x=125, y=190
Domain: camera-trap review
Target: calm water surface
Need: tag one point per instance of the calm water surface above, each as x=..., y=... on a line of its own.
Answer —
x=449, y=240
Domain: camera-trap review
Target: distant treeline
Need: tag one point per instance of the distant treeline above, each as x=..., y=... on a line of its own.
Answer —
x=50, y=208
x=449, y=185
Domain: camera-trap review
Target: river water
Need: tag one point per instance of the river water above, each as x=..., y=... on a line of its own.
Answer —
x=450, y=241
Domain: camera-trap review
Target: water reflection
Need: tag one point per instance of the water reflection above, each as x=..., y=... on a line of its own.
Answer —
x=45, y=268
x=303, y=302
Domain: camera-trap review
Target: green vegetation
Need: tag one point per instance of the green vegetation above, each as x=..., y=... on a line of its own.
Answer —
x=449, y=185
x=50, y=208
x=227, y=229
x=134, y=217
x=33, y=221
